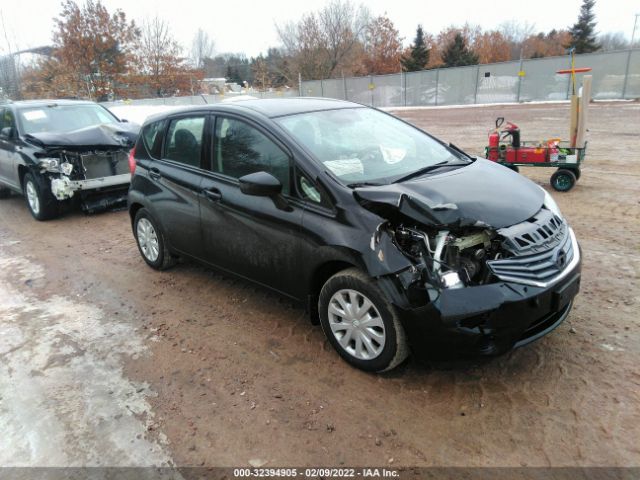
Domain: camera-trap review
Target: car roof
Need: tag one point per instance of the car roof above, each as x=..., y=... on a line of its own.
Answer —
x=47, y=102
x=269, y=107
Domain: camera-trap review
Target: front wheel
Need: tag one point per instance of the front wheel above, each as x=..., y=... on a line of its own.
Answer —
x=41, y=202
x=151, y=243
x=360, y=323
x=563, y=180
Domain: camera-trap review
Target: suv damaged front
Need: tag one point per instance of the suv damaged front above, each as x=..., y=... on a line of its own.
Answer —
x=496, y=269
x=78, y=150
x=93, y=160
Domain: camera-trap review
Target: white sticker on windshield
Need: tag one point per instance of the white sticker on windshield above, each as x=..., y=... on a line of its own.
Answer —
x=392, y=155
x=345, y=166
x=34, y=115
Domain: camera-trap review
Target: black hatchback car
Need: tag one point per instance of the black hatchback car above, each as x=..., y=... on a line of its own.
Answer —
x=395, y=240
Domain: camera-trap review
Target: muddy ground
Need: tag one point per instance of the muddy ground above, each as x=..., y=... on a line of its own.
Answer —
x=105, y=361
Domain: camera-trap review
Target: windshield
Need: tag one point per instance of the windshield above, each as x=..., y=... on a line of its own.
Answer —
x=62, y=118
x=362, y=145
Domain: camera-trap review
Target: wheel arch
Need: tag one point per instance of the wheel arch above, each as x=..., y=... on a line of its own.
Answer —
x=318, y=278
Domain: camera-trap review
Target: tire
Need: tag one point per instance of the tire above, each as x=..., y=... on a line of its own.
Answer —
x=576, y=172
x=151, y=242
x=5, y=192
x=515, y=168
x=386, y=347
x=563, y=180
x=40, y=201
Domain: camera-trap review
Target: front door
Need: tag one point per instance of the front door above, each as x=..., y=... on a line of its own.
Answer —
x=249, y=235
x=8, y=149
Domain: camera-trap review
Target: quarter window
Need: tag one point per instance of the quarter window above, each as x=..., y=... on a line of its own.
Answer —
x=150, y=137
x=241, y=149
x=184, y=140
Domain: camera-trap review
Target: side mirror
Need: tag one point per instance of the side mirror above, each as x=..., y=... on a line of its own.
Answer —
x=263, y=184
x=260, y=184
x=6, y=133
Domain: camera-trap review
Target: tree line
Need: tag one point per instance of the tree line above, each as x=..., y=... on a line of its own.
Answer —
x=104, y=55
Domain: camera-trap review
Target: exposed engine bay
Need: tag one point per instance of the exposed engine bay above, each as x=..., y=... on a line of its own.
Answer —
x=530, y=253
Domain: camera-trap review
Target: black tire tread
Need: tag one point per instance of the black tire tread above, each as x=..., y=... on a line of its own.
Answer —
x=166, y=259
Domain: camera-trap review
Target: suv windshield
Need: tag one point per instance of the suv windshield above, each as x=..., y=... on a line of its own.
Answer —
x=362, y=145
x=62, y=118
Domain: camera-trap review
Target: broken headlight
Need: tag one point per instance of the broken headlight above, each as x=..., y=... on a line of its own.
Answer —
x=50, y=164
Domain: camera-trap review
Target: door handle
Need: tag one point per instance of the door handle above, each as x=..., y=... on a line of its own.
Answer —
x=213, y=194
x=154, y=173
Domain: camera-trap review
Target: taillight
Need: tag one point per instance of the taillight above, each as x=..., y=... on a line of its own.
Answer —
x=132, y=160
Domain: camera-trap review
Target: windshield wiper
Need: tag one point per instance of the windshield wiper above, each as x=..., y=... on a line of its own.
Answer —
x=428, y=169
x=364, y=184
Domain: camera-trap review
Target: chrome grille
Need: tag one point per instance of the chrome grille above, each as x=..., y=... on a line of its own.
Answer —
x=542, y=232
x=538, y=269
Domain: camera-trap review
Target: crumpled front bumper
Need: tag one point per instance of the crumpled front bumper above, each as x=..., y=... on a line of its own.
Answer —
x=490, y=319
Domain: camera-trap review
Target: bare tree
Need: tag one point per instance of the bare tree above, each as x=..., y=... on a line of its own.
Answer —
x=10, y=74
x=158, y=54
x=327, y=42
x=613, y=41
x=202, y=47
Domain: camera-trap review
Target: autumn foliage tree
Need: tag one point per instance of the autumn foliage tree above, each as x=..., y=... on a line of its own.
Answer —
x=382, y=47
x=159, y=62
x=92, y=48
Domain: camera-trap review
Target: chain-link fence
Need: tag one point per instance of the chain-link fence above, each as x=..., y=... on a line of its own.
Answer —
x=616, y=75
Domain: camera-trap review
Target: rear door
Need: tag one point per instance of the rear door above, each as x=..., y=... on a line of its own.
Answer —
x=249, y=235
x=177, y=176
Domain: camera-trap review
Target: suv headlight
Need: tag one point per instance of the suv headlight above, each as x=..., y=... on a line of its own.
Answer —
x=551, y=204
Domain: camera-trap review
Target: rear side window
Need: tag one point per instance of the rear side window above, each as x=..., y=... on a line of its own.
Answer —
x=184, y=140
x=151, y=136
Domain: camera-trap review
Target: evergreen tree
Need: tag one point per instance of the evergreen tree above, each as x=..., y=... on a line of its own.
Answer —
x=583, y=31
x=419, y=55
x=457, y=54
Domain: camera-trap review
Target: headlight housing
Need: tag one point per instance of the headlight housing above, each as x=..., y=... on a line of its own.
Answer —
x=550, y=204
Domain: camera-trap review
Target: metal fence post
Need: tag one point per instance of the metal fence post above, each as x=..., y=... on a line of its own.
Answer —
x=300, y=84
x=403, y=86
x=475, y=95
x=626, y=73
x=370, y=84
x=344, y=85
x=321, y=88
x=437, y=80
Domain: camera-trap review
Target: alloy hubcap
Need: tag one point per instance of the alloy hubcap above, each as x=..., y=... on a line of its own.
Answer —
x=148, y=240
x=356, y=323
x=32, y=198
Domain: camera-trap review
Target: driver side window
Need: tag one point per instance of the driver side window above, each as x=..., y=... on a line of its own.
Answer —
x=241, y=149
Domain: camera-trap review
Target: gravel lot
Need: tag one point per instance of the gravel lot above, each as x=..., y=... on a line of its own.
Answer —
x=104, y=361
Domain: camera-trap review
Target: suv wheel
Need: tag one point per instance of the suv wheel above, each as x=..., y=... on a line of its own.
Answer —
x=41, y=202
x=360, y=323
x=150, y=240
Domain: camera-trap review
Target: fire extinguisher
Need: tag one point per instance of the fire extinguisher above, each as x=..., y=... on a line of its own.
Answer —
x=494, y=144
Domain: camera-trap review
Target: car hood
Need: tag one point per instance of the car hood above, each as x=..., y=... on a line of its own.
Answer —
x=482, y=194
x=106, y=135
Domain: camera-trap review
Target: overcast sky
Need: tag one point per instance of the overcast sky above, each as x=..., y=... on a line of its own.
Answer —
x=244, y=26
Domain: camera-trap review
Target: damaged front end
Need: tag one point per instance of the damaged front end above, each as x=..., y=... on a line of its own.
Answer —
x=96, y=174
x=471, y=285
x=99, y=178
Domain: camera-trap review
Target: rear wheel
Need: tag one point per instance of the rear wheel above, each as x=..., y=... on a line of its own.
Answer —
x=563, y=180
x=151, y=243
x=41, y=202
x=360, y=323
x=576, y=172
